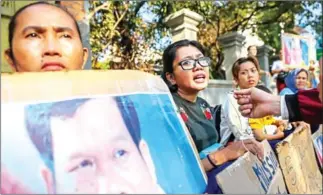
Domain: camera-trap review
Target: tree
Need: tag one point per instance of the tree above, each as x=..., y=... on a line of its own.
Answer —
x=117, y=31
x=118, y=28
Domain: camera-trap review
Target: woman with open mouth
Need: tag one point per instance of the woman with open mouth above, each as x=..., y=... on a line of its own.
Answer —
x=186, y=71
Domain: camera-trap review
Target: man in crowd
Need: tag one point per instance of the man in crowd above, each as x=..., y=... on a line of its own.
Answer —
x=279, y=71
x=252, y=51
x=44, y=37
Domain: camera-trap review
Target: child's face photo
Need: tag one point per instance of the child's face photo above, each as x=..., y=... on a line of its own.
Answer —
x=96, y=155
x=99, y=145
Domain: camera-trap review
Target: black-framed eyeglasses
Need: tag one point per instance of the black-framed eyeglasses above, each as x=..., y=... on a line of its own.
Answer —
x=189, y=64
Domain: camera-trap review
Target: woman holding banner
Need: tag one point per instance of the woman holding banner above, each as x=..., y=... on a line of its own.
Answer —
x=186, y=71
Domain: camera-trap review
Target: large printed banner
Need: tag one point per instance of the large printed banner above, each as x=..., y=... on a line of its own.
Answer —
x=298, y=51
x=318, y=145
x=248, y=175
x=297, y=160
x=94, y=132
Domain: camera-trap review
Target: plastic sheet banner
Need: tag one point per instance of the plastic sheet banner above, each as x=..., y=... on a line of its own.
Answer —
x=94, y=132
x=248, y=175
x=297, y=159
x=318, y=145
x=298, y=50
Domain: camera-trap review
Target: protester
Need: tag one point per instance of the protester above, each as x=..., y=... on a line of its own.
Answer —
x=44, y=37
x=295, y=80
x=302, y=106
x=186, y=71
x=252, y=52
x=245, y=72
x=279, y=72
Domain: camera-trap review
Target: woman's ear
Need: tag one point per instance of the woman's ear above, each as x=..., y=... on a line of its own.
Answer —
x=170, y=77
x=235, y=83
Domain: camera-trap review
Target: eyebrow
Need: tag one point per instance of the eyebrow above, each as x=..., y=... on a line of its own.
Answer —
x=43, y=29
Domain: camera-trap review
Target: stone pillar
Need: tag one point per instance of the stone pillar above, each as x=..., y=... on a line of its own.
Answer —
x=231, y=44
x=183, y=24
x=79, y=9
x=263, y=58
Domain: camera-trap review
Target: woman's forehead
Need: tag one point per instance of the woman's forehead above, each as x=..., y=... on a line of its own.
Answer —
x=302, y=73
x=188, y=51
x=247, y=65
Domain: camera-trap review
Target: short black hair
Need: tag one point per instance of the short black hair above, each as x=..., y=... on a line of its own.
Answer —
x=169, y=57
x=12, y=23
x=37, y=122
x=236, y=65
x=251, y=46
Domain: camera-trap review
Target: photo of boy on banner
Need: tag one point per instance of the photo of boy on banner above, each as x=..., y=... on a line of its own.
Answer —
x=86, y=153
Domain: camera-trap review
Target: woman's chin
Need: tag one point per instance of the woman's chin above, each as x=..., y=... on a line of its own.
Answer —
x=200, y=86
x=301, y=88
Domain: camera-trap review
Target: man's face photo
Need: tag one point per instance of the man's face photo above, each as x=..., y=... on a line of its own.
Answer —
x=99, y=145
x=94, y=153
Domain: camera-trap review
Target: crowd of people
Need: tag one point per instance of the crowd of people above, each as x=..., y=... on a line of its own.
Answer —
x=186, y=72
x=52, y=42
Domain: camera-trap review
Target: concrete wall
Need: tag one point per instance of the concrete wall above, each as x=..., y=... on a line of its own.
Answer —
x=216, y=91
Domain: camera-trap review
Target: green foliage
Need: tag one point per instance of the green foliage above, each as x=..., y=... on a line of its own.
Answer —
x=118, y=29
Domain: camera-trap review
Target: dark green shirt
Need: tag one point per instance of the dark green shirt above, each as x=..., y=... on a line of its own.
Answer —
x=199, y=121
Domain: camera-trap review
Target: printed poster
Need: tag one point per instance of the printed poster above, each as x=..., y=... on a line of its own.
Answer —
x=95, y=143
x=298, y=50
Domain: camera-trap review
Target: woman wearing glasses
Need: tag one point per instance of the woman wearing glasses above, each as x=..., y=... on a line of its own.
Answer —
x=186, y=71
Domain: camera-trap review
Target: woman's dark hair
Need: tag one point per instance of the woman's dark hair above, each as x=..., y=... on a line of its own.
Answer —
x=169, y=57
x=236, y=65
x=251, y=47
x=12, y=23
x=303, y=70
